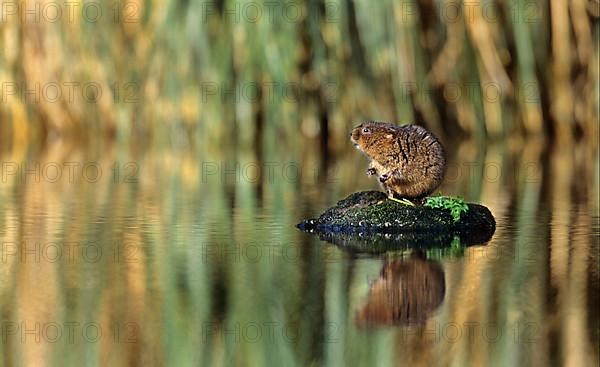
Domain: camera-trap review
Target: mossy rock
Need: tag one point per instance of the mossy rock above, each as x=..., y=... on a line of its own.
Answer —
x=369, y=221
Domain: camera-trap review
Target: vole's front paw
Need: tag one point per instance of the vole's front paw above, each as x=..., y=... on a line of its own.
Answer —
x=371, y=171
x=385, y=176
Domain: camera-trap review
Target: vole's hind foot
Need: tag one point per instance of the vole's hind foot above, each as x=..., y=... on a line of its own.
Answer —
x=418, y=201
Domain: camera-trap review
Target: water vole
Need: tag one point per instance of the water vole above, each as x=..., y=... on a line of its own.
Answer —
x=409, y=161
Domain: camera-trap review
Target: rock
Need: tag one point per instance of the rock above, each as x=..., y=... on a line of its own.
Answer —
x=369, y=221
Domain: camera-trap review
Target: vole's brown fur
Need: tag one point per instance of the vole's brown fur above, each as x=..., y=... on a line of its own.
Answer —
x=409, y=161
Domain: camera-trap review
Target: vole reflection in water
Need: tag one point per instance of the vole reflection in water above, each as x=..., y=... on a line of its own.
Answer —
x=406, y=292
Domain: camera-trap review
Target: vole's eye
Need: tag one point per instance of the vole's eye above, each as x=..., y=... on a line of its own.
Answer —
x=366, y=130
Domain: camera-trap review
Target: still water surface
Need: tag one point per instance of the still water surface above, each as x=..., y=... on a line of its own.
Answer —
x=165, y=262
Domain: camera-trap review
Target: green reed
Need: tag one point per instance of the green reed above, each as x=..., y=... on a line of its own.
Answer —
x=346, y=61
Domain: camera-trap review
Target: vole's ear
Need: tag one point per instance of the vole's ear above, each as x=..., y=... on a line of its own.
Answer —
x=389, y=136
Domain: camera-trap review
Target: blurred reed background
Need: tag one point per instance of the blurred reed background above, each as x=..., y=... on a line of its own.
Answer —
x=483, y=69
x=354, y=60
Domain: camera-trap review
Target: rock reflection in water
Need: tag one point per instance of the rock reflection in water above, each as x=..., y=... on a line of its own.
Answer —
x=407, y=291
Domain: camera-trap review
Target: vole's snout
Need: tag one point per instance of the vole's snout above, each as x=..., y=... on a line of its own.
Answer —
x=355, y=134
